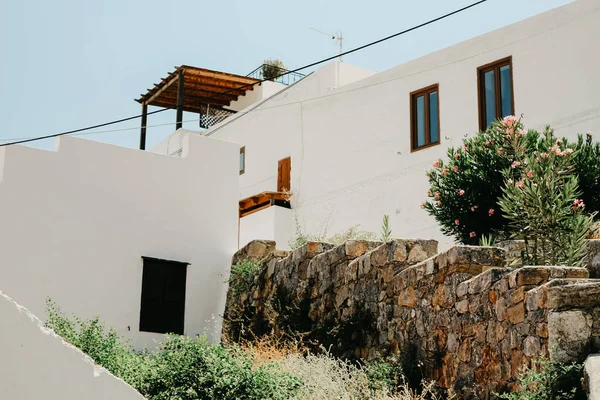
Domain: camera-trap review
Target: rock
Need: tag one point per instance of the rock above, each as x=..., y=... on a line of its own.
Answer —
x=580, y=294
x=532, y=275
x=416, y=255
x=407, y=297
x=516, y=314
x=569, y=335
x=462, y=306
x=531, y=346
x=591, y=369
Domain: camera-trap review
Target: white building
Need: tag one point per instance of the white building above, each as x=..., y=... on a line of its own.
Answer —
x=347, y=132
x=142, y=240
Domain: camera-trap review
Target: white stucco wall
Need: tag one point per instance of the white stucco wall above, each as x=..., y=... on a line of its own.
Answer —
x=273, y=223
x=37, y=364
x=350, y=145
x=258, y=93
x=75, y=223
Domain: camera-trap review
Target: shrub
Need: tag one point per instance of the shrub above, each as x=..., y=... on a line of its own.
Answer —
x=541, y=203
x=548, y=381
x=105, y=347
x=465, y=188
x=271, y=69
x=185, y=368
x=242, y=274
x=181, y=368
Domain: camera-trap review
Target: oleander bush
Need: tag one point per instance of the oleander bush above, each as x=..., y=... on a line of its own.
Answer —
x=465, y=187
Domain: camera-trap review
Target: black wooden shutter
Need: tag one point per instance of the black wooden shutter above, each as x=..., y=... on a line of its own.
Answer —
x=163, y=296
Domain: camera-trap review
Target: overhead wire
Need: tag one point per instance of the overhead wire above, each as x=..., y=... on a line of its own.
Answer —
x=21, y=141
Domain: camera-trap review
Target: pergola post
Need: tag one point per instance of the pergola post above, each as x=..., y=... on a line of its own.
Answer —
x=143, y=127
x=180, y=91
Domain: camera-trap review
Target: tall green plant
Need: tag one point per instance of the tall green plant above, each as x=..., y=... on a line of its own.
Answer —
x=541, y=202
x=386, y=231
x=465, y=188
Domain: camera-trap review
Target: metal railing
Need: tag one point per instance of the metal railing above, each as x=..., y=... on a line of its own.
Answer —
x=212, y=115
x=272, y=70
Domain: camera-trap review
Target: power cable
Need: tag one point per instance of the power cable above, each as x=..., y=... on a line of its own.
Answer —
x=259, y=81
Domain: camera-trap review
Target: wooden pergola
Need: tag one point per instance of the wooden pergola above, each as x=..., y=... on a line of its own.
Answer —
x=194, y=90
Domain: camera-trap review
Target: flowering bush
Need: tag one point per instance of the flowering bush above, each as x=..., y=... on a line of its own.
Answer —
x=541, y=202
x=465, y=189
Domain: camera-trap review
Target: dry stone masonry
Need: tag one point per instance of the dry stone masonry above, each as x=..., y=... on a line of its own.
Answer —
x=461, y=317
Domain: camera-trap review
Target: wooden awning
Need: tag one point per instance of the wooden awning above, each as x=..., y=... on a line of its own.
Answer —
x=196, y=90
x=263, y=200
x=200, y=87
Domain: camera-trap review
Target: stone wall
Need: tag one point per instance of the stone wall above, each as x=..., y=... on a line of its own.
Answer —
x=460, y=317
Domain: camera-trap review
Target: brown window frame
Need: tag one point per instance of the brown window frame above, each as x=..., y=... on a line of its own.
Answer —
x=494, y=66
x=243, y=151
x=413, y=118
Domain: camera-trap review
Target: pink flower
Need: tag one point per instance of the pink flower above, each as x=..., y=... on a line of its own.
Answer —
x=515, y=164
x=437, y=195
x=422, y=205
x=474, y=208
x=445, y=171
x=439, y=203
x=491, y=212
x=472, y=234
x=457, y=222
x=455, y=168
x=509, y=120
x=500, y=152
x=464, y=148
x=578, y=203
x=436, y=164
x=520, y=184
x=589, y=134
x=529, y=174
x=456, y=156
x=461, y=192
x=521, y=132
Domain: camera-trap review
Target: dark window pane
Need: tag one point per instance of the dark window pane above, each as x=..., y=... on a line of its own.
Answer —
x=420, y=121
x=434, y=128
x=163, y=296
x=489, y=92
x=506, y=91
x=242, y=156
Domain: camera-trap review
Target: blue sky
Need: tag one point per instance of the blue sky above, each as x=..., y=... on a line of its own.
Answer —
x=67, y=64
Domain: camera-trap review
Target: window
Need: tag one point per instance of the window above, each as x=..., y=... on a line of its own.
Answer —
x=425, y=118
x=163, y=296
x=242, y=160
x=495, y=92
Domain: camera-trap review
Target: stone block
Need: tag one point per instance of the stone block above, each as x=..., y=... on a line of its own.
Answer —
x=416, y=255
x=591, y=369
x=569, y=335
x=531, y=346
x=462, y=306
x=532, y=275
x=582, y=294
x=484, y=281
x=462, y=289
x=407, y=297
x=516, y=313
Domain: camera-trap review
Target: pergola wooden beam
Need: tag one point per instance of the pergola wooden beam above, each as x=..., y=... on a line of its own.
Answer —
x=196, y=89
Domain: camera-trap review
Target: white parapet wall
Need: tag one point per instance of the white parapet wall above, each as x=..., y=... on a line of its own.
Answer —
x=38, y=364
x=273, y=223
x=76, y=222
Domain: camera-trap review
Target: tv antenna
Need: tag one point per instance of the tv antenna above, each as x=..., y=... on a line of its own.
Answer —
x=337, y=37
